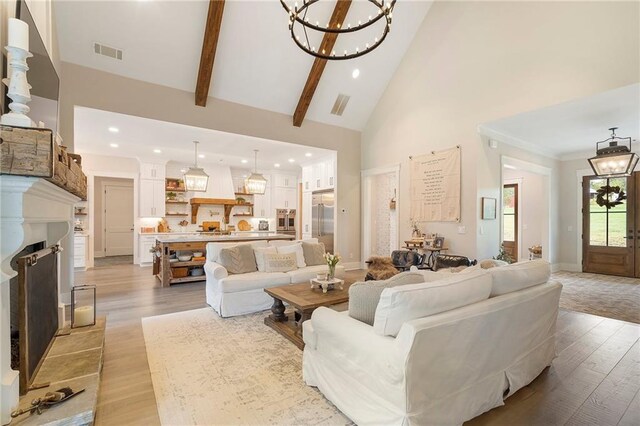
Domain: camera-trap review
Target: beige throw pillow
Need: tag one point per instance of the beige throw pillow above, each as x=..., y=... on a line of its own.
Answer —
x=238, y=259
x=297, y=250
x=364, y=296
x=313, y=253
x=259, y=252
x=280, y=262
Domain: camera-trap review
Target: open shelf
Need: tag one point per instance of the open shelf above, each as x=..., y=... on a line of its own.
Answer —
x=175, y=190
x=177, y=214
x=187, y=279
x=245, y=194
x=189, y=263
x=243, y=215
x=176, y=202
x=80, y=214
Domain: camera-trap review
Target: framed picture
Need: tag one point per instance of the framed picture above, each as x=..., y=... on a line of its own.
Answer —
x=489, y=208
x=438, y=242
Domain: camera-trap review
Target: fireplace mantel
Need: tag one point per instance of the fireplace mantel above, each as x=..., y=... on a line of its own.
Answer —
x=31, y=210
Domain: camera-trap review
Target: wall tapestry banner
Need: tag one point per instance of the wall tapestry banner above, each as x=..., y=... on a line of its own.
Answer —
x=435, y=186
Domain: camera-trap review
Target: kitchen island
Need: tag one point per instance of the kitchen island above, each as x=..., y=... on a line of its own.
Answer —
x=168, y=245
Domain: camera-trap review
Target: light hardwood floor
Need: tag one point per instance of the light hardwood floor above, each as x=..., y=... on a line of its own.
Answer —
x=595, y=380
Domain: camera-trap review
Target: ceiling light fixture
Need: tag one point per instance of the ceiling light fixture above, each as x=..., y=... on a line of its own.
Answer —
x=255, y=183
x=276, y=165
x=113, y=145
x=243, y=161
x=614, y=160
x=299, y=24
x=114, y=129
x=157, y=151
x=308, y=154
x=201, y=156
x=195, y=179
x=292, y=160
x=355, y=73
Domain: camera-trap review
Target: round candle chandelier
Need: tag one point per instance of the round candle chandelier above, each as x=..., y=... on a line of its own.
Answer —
x=300, y=26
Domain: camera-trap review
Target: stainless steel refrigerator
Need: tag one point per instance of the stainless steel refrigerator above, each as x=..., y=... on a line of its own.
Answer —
x=322, y=213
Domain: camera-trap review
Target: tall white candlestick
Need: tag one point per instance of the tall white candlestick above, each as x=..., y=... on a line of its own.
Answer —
x=18, y=34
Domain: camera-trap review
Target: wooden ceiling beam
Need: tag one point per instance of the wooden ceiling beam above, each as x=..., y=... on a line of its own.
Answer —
x=209, y=46
x=328, y=42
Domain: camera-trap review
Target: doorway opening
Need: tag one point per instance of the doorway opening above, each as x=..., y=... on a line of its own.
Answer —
x=114, y=221
x=611, y=225
x=380, y=211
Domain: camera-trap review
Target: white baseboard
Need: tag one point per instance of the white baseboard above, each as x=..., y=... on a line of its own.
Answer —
x=98, y=254
x=569, y=267
x=350, y=266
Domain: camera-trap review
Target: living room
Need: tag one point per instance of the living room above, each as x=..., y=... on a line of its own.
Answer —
x=508, y=90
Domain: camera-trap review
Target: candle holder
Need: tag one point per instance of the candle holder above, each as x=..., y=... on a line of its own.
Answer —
x=83, y=305
x=19, y=88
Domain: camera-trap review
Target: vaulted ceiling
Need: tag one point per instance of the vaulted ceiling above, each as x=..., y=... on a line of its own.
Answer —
x=256, y=61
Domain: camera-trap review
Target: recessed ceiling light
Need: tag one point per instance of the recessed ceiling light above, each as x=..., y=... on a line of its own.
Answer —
x=244, y=176
x=183, y=171
x=113, y=145
x=243, y=161
x=292, y=160
x=308, y=154
x=200, y=155
x=157, y=151
x=114, y=129
x=355, y=73
x=276, y=165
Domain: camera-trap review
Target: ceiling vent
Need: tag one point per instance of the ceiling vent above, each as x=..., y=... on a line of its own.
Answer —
x=111, y=52
x=340, y=104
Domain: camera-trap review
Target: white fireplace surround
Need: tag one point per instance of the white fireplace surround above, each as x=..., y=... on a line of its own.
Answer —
x=31, y=210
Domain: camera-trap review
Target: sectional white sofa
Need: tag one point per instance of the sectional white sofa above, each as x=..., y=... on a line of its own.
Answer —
x=440, y=352
x=239, y=294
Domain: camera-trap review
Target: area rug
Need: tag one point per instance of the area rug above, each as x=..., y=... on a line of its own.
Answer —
x=209, y=370
x=603, y=295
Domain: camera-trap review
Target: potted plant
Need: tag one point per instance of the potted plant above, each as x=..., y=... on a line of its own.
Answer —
x=503, y=255
x=171, y=196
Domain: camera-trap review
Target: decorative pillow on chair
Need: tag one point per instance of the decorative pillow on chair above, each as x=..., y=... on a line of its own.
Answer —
x=238, y=259
x=297, y=250
x=259, y=252
x=280, y=262
x=313, y=253
x=364, y=296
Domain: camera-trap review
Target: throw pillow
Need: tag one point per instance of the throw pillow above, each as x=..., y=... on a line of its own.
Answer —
x=280, y=262
x=259, y=252
x=492, y=263
x=313, y=253
x=364, y=296
x=238, y=259
x=297, y=250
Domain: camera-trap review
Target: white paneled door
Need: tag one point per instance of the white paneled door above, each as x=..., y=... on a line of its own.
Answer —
x=118, y=220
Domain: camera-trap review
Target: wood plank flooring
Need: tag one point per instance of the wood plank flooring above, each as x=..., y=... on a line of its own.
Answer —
x=595, y=380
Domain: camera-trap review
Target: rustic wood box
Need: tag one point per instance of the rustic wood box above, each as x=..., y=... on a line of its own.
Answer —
x=32, y=152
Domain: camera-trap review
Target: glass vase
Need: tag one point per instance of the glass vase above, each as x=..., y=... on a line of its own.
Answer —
x=332, y=272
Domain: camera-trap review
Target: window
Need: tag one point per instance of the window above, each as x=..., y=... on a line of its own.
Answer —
x=607, y=226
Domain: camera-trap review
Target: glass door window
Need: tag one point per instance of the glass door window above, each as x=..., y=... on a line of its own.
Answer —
x=607, y=225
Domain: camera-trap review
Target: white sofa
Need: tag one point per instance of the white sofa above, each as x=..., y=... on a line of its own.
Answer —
x=239, y=294
x=441, y=369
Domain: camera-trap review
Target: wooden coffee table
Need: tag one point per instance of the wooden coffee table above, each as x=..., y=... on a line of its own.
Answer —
x=304, y=300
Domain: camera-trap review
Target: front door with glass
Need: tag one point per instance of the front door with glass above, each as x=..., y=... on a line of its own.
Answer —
x=609, y=225
x=510, y=220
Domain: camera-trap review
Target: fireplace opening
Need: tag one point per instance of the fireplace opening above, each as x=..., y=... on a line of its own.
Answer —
x=34, y=309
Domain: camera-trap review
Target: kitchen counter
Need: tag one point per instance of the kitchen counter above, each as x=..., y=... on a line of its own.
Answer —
x=198, y=237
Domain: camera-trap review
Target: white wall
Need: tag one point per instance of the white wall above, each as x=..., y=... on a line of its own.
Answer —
x=474, y=62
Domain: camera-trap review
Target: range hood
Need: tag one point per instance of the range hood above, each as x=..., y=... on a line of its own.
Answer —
x=220, y=183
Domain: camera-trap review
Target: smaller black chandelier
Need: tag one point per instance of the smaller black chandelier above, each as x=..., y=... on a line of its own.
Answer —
x=297, y=15
x=613, y=159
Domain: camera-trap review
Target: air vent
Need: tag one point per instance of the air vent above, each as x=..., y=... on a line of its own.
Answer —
x=111, y=52
x=340, y=104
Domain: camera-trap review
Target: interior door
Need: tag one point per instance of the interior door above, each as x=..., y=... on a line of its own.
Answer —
x=118, y=221
x=510, y=220
x=609, y=235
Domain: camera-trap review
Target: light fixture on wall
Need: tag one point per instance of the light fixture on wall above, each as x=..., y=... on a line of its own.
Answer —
x=299, y=19
x=256, y=183
x=615, y=158
x=195, y=179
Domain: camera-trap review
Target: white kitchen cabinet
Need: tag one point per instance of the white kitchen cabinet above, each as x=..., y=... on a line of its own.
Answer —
x=152, y=198
x=307, y=178
x=145, y=244
x=286, y=181
x=80, y=251
x=285, y=198
x=152, y=171
x=307, y=198
x=262, y=205
x=319, y=176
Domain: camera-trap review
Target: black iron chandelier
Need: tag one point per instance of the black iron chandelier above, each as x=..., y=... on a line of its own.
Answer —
x=300, y=26
x=615, y=157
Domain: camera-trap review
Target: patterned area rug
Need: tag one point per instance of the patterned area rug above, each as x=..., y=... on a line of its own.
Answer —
x=210, y=370
x=603, y=295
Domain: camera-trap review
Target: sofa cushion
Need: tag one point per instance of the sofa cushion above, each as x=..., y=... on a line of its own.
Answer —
x=213, y=249
x=238, y=259
x=297, y=250
x=278, y=243
x=259, y=253
x=408, y=302
x=305, y=274
x=252, y=281
x=364, y=296
x=519, y=275
x=280, y=262
x=313, y=253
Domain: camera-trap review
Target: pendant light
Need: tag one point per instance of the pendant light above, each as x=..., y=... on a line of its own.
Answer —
x=614, y=160
x=195, y=179
x=255, y=183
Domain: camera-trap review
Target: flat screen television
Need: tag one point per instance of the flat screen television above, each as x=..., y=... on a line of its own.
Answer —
x=42, y=76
